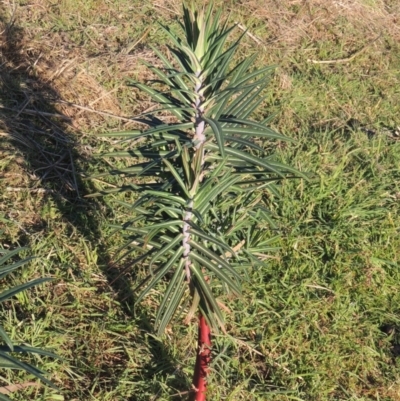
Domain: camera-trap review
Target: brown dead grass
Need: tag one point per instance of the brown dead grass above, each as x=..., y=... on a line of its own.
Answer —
x=292, y=22
x=78, y=77
x=56, y=62
x=66, y=74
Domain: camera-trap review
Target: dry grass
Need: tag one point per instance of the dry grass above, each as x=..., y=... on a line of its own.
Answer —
x=293, y=22
x=93, y=75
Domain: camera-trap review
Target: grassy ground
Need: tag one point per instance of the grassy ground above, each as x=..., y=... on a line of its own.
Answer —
x=321, y=320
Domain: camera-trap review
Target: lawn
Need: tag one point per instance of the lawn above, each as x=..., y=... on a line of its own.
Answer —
x=319, y=319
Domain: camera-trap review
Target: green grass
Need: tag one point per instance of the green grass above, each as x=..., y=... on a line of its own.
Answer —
x=310, y=324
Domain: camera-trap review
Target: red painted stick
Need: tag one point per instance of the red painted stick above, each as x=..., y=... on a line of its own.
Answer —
x=202, y=361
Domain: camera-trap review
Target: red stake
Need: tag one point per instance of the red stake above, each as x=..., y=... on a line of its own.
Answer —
x=202, y=361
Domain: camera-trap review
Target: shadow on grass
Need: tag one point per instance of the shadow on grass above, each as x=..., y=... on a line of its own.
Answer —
x=40, y=133
x=53, y=159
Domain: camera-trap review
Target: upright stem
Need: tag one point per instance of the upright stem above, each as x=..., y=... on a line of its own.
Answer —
x=200, y=123
x=186, y=237
x=204, y=337
x=200, y=138
x=202, y=361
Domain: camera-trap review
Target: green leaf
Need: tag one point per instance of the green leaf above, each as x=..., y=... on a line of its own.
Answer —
x=223, y=63
x=177, y=177
x=248, y=158
x=220, y=107
x=22, y=287
x=172, y=198
x=6, y=338
x=215, y=51
x=199, y=233
x=244, y=142
x=172, y=307
x=248, y=77
x=165, y=100
x=254, y=124
x=203, y=288
x=4, y=270
x=248, y=101
x=186, y=166
x=205, y=195
x=171, y=211
x=10, y=362
x=10, y=254
x=167, y=79
x=171, y=299
x=182, y=59
x=32, y=350
x=263, y=180
x=266, y=133
x=219, y=136
x=289, y=169
x=166, y=249
x=139, y=153
x=134, y=133
x=196, y=65
x=164, y=224
x=221, y=97
x=158, y=275
x=177, y=42
x=214, y=257
x=218, y=271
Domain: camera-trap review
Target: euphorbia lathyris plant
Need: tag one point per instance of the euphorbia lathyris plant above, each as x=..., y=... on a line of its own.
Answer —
x=201, y=180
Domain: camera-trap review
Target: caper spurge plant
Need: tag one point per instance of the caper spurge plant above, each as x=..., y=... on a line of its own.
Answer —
x=202, y=177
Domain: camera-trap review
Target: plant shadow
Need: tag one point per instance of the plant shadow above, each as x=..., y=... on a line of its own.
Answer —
x=39, y=133
x=54, y=160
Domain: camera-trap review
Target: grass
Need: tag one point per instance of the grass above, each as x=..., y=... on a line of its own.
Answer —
x=320, y=320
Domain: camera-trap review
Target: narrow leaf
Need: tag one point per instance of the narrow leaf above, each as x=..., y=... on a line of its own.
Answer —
x=16, y=290
x=32, y=350
x=218, y=271
x=160, y=98
x=158, y=275
x=198, y=232
x=177, y=177
x=4, y=270
x=16, y=364
x=244, y=142
x=246, y=157
x=6, y=338
x=10, y=254
x=214, y=257
x=219, y=136
x=201, y=284
x=172, y=198
x=166, y=249
x=175, y=291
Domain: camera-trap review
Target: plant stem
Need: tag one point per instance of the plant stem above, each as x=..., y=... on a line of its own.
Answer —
x=186, y=237
x=200, y=123
x=200, y=139
x=202, y=361
x=204, y=335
